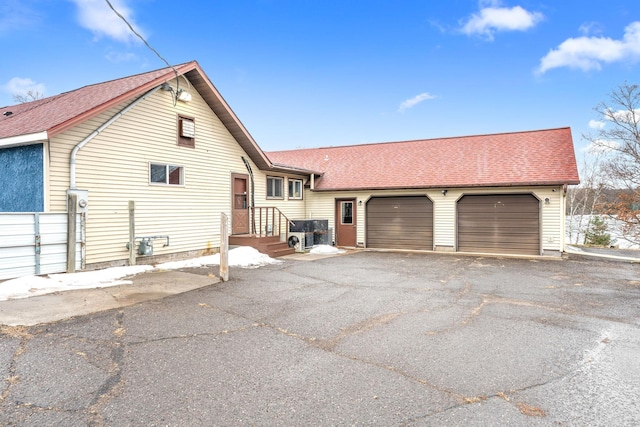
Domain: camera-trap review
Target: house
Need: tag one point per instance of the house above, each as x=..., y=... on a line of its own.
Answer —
x=164, y=139
x=167, y=141
x=502, y=193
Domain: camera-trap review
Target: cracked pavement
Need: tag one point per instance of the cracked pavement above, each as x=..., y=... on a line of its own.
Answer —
x=368, y=338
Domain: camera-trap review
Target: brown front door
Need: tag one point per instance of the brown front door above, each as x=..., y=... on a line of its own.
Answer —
x=239, y=204
x=346, y=222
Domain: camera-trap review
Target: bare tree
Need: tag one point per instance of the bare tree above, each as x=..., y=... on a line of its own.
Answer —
x=28, y=96
x=619, y=142
x=583, y=200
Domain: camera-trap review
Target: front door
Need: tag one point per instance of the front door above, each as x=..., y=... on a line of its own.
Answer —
x=346, y=222
x=239, y=204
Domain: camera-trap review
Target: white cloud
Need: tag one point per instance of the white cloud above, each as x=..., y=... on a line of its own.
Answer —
x=97, y=16
x=114, y=56
x=588, y=53
x=493, y=18
x=21, y=86
x=590, y=28
x=602, y=146
x=409, y=103
x=596, y=124
x=623, y=116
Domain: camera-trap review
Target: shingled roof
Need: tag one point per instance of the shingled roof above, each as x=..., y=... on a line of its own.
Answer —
x=45, y=118
x=542, y=157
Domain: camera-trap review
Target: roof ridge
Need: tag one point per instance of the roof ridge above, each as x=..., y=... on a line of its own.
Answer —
x=52, y=97
x=366, y=144
x=132, y=76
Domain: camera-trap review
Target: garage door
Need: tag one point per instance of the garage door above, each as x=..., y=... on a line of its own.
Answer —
x=501, y=223
x=400, y=223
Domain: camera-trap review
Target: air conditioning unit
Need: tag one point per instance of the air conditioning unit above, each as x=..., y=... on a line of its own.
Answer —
x=297, y=241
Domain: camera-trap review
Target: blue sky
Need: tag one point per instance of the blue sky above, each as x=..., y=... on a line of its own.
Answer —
x=309, y=73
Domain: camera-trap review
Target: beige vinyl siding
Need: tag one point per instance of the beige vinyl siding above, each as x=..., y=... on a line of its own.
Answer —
x=320, y=205
x=291, y=209
x=552, y=218
x=114, y=168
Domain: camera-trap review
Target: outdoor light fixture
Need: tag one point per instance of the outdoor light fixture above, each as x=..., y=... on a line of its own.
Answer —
x=184, y=96
x=444, y=192
x=547, y=201
x=360, y=203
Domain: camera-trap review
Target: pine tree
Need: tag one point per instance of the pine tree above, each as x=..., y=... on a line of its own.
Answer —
x=597, y=234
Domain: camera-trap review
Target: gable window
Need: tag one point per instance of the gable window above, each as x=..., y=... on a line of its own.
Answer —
x=274, y=187
x=295, y=188
x=186, y=131
x=166, y=174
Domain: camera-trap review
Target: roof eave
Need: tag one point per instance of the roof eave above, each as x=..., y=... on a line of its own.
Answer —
x=26, y=139
x=448, y=186
x=217, y=103
x=278, y=167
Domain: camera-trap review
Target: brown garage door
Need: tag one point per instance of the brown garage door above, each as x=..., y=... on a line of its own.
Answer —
x=500, y=223
x=400, y=223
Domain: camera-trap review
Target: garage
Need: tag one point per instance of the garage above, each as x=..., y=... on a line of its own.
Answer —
x=400, y=222
x=499, y=223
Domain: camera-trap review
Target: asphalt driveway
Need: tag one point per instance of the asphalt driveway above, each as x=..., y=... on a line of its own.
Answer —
x=361, y=339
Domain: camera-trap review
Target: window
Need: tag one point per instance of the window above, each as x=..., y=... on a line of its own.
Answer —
x=166, y=174
x=346, y=216
x=274, y=187
x=186, y=132
x=295, y=188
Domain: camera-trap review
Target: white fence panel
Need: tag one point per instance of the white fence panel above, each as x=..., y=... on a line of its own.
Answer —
x=36, y=243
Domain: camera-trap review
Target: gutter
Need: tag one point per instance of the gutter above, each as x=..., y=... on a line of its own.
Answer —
x=74, y=152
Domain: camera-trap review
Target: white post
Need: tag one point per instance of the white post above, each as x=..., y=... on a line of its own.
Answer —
x=224, y=247
x=132, y=232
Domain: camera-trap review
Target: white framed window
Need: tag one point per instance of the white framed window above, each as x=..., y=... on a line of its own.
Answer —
x=275, y=186
x=295, y=188
x=161, y=173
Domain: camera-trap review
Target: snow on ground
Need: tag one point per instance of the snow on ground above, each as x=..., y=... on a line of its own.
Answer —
x=29, y=286
x=325, y=249
x=575, y=228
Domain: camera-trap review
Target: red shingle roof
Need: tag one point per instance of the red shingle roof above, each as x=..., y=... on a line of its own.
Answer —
x=57, y=113
x=543, y=157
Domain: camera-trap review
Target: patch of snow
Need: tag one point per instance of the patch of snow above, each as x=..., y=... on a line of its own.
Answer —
x=575, y=227
x=325, y=249
x=28, y=286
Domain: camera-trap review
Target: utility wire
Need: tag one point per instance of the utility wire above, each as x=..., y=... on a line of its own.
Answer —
x=147, y=44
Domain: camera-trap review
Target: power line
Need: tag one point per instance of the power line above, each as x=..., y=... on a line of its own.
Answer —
x=145, y=42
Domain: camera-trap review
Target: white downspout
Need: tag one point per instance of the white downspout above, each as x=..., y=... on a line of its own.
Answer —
x=74, y=152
